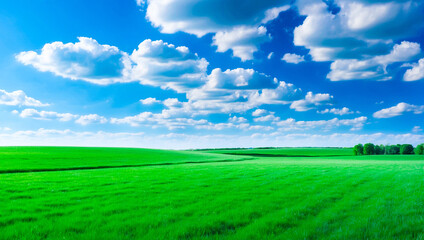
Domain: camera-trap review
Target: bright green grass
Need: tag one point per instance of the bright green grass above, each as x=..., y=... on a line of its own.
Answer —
x=283, y=152
x=364, y=197
x=36, y=158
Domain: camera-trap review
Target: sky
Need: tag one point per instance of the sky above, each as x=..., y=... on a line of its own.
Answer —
x=182, y=74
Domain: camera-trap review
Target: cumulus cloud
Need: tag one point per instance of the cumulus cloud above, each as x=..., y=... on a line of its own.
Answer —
x=63, y=117
x=47, y=115
x=311, y=101
x=243, y=41
x=85, y=60
x=239, y=90
x=154, y=63
x=149, y=101
x=267, y=118
x=237, y=25
x=356, y=33
x=337, y=111
x=236, y=119
x=90, y=119
x=19, y=98
x=416, y=72
x=157, y=63
x=374, y=68
x=158, y=119
x=164, y=65
x=292, y=125
x=259, y=112
x=293, y=58
x=398, y=110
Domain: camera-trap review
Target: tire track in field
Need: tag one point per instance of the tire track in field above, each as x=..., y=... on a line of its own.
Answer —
x=120, y=166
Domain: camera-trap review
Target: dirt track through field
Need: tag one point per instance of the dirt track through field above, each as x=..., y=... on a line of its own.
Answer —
x=12, y=171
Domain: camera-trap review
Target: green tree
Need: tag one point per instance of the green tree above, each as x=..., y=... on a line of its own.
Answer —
x=406, y=149
x=369, y=149
x=358, y=149
x=392, y=149
x=419, y=150
x=379, y=149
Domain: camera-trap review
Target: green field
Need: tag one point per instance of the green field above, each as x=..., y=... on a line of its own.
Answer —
x=287, y=193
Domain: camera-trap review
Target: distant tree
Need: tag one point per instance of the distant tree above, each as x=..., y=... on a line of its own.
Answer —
x=369, y=149
x=406, y=149
x=392, y=149
x=379, y=149
x=419, y=150
x=358, y=149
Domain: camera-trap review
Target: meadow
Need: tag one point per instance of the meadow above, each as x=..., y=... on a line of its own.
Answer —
x=287, y=193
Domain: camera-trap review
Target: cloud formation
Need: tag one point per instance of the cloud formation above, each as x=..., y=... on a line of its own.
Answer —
x=374, y=68
x=85, y=60
x=62, y=117
x=236, y=25
x=357, y=36
x=293, y=58
x=337, y=111
x=291, y=124
x=311, y=101
x=398, y=110
x=154, y=63
x=67, y=137
x=149, y=101
x=19, y=98
x=416, y=72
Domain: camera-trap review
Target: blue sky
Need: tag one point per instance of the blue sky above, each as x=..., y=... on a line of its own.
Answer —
x=211, y=73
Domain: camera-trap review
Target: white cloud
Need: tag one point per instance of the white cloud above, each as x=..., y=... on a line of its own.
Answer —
x=373, y=68
x=140, y=2
x=357, y=33
x=158, y=120
x=63, y=117
x=19, y=98
x=236, y=119
x=149, y=101
x=311, y=101
x=154, y=63
x=267, y=118
x=259, y=112
x=5, y=129
x=239, y=90
x=293, y=125
x=416, y=72
x=398, y=110
x=337, y=111
x=270, y=55
x=164, y=65
x=243, y=41
x=417, y=129
x=85, y=60
x=236, y=25
x=47, y=115
x=90, y=119
x=53, y=137
x=293, y=58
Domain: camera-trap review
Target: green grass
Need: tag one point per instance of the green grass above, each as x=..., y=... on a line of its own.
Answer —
x=346, y=197
x=288, y=152
x=14, y=159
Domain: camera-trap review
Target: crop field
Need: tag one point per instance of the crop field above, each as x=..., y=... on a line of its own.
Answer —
x=287, y=193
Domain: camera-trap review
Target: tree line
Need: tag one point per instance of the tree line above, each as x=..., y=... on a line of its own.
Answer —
x=371, y=149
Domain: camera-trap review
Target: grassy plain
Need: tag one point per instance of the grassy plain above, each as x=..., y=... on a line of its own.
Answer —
x=329, y=195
